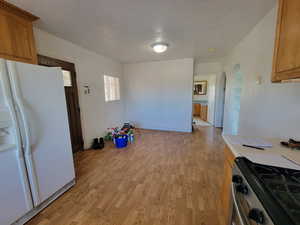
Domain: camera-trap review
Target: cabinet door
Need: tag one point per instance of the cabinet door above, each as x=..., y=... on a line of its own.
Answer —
x=287, y=47
x=226, y=201
x=204, y=112
x=194, y=109
x=16, y=39
x=5, y=40
x=226, y=193
x=21, y=37
x=197, y=108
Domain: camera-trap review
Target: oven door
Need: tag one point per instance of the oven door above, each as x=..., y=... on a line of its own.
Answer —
x=235, y=218
x=247, y=208
x=237, y=214
x=242, y=205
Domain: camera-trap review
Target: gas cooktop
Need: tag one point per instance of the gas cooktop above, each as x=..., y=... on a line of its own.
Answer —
x=277, y=188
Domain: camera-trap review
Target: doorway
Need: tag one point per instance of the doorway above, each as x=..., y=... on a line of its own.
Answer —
x=71, y=91
x=211, y=101
x=204, y=93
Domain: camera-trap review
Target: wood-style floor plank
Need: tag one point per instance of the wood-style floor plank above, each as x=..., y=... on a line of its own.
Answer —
x=164, y=178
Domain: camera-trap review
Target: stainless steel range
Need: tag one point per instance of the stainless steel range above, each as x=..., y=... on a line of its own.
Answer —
x=265, y=194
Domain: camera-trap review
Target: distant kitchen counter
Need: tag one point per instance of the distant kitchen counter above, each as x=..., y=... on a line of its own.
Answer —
x=268, y=154
x=200, y=109
x=202, y=102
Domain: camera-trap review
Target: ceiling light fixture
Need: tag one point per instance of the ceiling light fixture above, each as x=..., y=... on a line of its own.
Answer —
x=159, y=47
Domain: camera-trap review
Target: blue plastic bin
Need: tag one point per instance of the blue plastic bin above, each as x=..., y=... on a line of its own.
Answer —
x=121, y=141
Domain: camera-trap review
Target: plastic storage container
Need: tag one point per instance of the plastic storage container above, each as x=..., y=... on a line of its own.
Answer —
x=121, y=141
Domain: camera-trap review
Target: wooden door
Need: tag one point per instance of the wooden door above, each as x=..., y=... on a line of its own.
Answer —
x=71, y=92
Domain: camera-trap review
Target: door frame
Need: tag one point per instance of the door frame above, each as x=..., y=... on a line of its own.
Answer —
x=53, y=62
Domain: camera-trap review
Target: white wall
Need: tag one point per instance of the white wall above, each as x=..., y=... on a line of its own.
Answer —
x=269, y=109
x=202, y=67
x=211, y=99
x=96, y=115
x=159, y=94
x=220, y=100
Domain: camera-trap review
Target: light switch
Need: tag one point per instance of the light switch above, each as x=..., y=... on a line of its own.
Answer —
x=259, y=79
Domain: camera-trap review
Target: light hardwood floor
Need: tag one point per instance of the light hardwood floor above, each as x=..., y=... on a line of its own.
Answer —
x=165, y=178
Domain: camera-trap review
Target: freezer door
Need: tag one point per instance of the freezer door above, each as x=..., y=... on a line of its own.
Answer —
x=15, y=196
x=39, y=94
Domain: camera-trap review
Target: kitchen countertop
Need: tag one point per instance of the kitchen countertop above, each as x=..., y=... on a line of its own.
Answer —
x=203, y=102
x=238, y=150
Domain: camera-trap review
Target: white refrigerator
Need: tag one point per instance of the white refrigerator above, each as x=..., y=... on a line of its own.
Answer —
x=36, y=161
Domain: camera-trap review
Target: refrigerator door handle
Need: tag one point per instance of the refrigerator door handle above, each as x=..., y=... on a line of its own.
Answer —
x=19, y=103
x=10, y=104
x=12, y=70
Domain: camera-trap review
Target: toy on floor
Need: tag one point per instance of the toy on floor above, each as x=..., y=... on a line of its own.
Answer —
x=121, y=136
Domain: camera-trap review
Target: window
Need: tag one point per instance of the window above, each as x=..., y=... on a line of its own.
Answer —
x=67, y=78
x=112, y=88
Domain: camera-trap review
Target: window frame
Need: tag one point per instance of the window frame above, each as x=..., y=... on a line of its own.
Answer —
x=114, y=89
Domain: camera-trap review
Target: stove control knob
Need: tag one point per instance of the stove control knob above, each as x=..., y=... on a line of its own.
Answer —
x=257, y=216
x=237, y=179
x=242, y=188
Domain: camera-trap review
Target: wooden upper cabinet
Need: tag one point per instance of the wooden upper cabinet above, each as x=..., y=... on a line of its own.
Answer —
x=16, y=34
x=286, y=64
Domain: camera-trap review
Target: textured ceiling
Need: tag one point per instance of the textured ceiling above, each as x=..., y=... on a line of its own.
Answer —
x=125, y=29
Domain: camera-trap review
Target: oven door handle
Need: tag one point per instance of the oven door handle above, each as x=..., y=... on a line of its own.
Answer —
x=236, y=204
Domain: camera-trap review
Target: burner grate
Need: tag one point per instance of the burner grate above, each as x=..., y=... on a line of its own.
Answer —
x=283, y=185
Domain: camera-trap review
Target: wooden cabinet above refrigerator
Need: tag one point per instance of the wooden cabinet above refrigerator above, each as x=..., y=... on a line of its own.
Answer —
x=16, y=39
x=286, y=62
